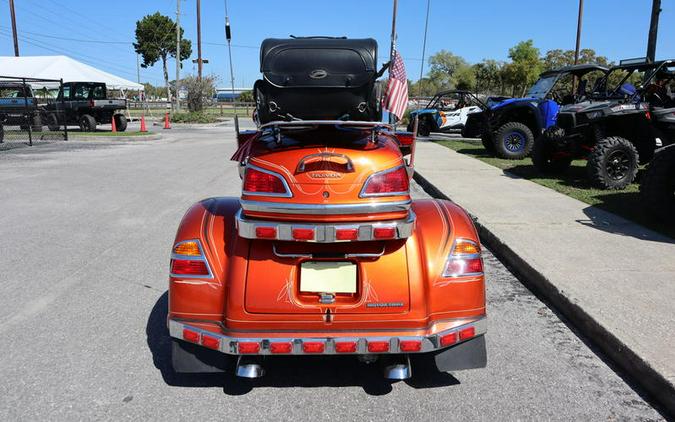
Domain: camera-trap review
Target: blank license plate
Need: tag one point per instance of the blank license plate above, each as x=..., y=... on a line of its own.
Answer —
x=328, y=277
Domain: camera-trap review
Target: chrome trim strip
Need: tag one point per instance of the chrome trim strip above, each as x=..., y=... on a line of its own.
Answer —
x=324, y=232
x=288, y=193
x=332, y=209
x=362, y=194
x=327, y=123
x=229, y=344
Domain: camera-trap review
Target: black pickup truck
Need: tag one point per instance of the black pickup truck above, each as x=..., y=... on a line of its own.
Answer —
x=85, y=104
x=18, y=107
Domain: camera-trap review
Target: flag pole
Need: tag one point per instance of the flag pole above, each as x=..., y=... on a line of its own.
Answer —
x=393, y=46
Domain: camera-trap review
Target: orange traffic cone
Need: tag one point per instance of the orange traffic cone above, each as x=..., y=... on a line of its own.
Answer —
x=167, y=123
x=114, y=127
x=143, y=128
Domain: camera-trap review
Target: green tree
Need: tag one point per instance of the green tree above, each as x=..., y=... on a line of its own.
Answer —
x=444, y=64
x=246, y=97
x=156, y=40
x=488, y=76
x=525, y=66
x=199, y=91
x=464, y=78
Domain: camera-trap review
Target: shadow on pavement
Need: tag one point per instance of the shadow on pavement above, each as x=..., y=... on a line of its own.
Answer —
x=283, y=372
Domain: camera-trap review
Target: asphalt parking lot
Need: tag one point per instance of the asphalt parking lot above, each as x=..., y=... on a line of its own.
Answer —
x=86, y=229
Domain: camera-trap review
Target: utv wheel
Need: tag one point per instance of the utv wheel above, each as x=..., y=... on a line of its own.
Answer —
x=120, y=122
x=613, y=163
x=658, y=184
x=542, y=156
x=53, y=123
x=488, y=142
x=423, y=127
x=87, y=123
x=514, y=141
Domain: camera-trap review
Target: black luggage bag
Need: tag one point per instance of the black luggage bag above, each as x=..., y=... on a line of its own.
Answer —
x=317, y=79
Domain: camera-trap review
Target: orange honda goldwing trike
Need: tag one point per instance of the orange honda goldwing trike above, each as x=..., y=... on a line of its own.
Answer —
x=325, y=253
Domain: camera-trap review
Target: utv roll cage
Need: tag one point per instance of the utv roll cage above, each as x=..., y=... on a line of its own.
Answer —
x=460, y=92
x=630, y=66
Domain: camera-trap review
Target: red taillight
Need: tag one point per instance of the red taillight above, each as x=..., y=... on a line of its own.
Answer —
x=346, y=234
x=249, y=347
x=405, y=138
x=384, y=232
x=303, y=234
x=345, y=346
x=187, y=267
x=312, y=347
x=210, y=342
x=467, y=333
x=410, y=345
x=458, y=267
x=189, y=335
x=448, y=339
x=263, y=232
x=378, y=346
x=256, y=181
x=387, y=182
x=281, y=347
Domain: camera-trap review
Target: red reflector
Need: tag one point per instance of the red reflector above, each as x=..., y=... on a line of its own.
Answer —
x=405, y=138
x=384, y=232
x=187, y=267
x=258, y=181
x=266, y=232
x=378, y=346
x=346, y=234
x=388, y=181
x=281, y=347
x=467, y=333
x=210, y=342
x=345, y=346
x=303, y=234
x=312, y=347
x=249, y=347
x=190, y=335
x=410, y=346
x=448, y=339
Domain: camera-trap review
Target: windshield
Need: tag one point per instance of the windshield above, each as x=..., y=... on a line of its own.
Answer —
x=542, y=87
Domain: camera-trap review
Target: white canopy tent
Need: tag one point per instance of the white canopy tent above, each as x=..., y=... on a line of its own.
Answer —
x=61, y=67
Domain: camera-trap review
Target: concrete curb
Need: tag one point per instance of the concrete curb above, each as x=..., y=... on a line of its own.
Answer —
x=653, y=382
x=140, y=138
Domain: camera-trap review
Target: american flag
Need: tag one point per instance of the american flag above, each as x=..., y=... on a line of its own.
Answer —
x=396, y=96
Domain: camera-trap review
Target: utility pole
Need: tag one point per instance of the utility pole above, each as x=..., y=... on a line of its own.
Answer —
x=199, y=39
x=424, y=49
x=228, y=36
x=138, y=68
x=653, y=30
x=177, y=84
x=579, y=23
x=16, y=41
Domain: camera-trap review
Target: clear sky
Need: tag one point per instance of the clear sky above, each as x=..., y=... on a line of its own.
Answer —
x=100, y=32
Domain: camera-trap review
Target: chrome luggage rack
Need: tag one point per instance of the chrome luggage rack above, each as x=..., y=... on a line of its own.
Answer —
x=277, y=126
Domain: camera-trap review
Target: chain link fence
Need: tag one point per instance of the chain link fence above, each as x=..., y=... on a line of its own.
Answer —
x=29, y=112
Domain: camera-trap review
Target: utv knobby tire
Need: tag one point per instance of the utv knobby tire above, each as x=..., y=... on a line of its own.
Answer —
x=513, y=141
x=120, y=122
x=53, y=122
x=37, y=123
x=613, y=163
x=542, y=156
x=423, y=127
x=87, y=123
x=658, y=184
x=488, y=142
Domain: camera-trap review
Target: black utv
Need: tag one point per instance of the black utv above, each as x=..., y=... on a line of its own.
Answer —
x=85, y=104
x=615, y=131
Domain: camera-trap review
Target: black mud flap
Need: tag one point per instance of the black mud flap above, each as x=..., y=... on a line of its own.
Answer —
x=468, y=355
x=188, y=358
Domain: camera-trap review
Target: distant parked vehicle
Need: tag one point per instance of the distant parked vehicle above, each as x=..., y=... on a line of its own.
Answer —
x=446, y=111
x=85, y=104
x=510, y=127
x=18, y=107
x=617, y=131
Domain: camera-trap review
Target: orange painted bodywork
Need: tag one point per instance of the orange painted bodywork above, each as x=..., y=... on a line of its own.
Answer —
x=255, y=294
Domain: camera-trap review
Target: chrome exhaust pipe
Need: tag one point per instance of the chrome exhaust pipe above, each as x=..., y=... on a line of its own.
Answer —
x=249, y=368
x=399, y=371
